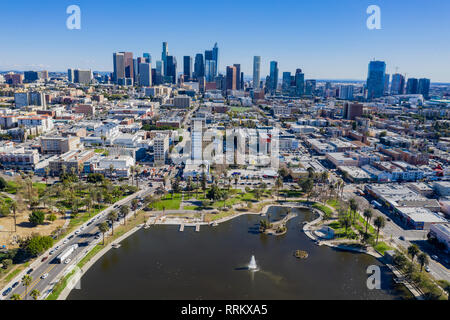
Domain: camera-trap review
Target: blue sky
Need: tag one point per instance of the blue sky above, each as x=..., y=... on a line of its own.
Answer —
x=326, y=38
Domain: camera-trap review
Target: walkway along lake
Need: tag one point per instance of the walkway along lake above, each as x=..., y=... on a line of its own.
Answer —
x=162, y=263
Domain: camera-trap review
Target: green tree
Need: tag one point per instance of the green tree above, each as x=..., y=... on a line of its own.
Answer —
x=26, y=281
x=413, y=250
x=104, y=228
x=7, y=263
x=134, y=206
x=112, y=216
x=35, y=294
x=38, y=244
x=16, y=297
x=367, y=217
x=423, y=260
x=379, y=222
x=124, y=210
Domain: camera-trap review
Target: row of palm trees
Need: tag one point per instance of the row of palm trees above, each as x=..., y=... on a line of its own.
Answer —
x=26, y=282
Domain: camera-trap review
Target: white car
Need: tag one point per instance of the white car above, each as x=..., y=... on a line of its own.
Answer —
x=77, y=232
x=427, y=269
x=45, y=275
x=67, y=261
x=51, y=252
x=66, y=241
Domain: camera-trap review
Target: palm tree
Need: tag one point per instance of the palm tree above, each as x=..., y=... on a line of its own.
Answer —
x=367, y=216
x=26, y=281
x=124, y=210
x=353, y=208
x=379, y=222
x=14, y=210
x=278, y=185
x=413, y=250
x=112, y=216
x=423, y=260
x=35, y=294
x=111, y=170
x=134, y=206
x=137, y=170
x=47, y=172
x=104, y=228
x=132, y=175
x=16, y=297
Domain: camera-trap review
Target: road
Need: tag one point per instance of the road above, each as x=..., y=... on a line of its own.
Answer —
x=84, y=239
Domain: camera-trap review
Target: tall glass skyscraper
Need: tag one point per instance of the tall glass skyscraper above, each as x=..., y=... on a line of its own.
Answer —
x=398, y=84
x=256, y=71
x=273, y=77
x=412, y=87
x=164, y=55
x=424, y=87
x=215, y=57
x=187, y=67
x=199, y=66
x=376, y=79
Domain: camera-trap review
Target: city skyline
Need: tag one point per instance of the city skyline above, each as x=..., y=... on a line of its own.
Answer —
x=337, y=41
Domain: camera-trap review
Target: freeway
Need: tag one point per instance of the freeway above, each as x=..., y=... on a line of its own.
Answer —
x=85, y=237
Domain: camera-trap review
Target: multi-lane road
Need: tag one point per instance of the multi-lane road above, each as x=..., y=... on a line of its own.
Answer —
x=45, y=274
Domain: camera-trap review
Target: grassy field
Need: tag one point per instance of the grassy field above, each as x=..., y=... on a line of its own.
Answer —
x=168, y=203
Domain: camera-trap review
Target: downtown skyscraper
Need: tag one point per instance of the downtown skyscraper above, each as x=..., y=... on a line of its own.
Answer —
x=256, y=71
x=376, y=79
x=398, y=84
x=273, y=78
x=187, y=67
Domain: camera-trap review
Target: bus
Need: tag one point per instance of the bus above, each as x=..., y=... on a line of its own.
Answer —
x=376, y=204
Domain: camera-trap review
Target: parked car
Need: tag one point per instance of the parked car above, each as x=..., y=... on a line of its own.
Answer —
x=15, y=284
x=44, y=258
x=427, y=269
x=30, y=271
x=434, y=257
x=7, y=291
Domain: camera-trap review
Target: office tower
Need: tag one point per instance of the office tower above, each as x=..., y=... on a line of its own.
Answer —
x=310, y=87
x=352, y=110
x=215, y=57
x=424, y=87
x=187, y=67
x=387, y=80
x=299, y=83
x=145, y=74
x=242, y=80
x=24, y=99
x=172, y=68
x=287, y=82
x=199, y=67
x=398, y=84
x=119, y=66
x=31, y=76
x=346, y=92
x=210, y=66
x=273, y=84
x=44, y=74
x=231, y=78
x=147, y=57
x=412, y=87
x=160, y=67
x=221, y=82
x=70, y=75
x=238, y=76
x=256, y=71
x=13, y=78
x=129, y=65
x=82, y=76
x=161, y=149
x=164, y=55
x=376, y=79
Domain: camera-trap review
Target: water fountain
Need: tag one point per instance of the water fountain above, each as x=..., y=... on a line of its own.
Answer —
x=252, y=265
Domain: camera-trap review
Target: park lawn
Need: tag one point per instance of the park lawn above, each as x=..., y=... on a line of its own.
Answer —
x=11, y=187
x=191, y=208
x=382, y=247
x=370, y=228
x=60, y=286
x=168, y=203
x=333, y=203
x=323, y=208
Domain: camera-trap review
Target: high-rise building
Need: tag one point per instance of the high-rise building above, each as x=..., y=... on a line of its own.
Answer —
x=119, y=66
x=129, y=65
x=187, y=67
x=424, y=87
x=287, y=82
x=199, y=66
x=215, y=57
x=82, y=76
x=161, y=149
x=412, y=87
x=299, y=83
x=346, y=92
x=273, y=77
x=376, y=79
x=70, y=75
x=231, y=78
x=239, y=85
x=210, y=66
x=398, y=84
x=310, y=87
x=164, y=55
x=31, y=76
x=387, y=79
x=145, y=74
x=172, y=68
x=147, y=57
x=352, y=110
x=256, y=71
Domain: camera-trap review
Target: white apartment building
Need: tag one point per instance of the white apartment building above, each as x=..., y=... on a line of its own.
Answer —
x=45, y=122
x=161, y=149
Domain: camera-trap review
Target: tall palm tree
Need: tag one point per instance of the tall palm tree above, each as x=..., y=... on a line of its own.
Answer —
x=47, y=172
x=26, y=281
x=124, y=210
x=278, y=185
x=137, y=170
x=379, y=222
x=16, y=297
x=134, y=206
x=353, y=208
x=14, y=210
x=367, y=217
x=132, y=174
x=423, y=260
x=413, y=250
x=112, y=216
x=35, y=294
x=104, y=228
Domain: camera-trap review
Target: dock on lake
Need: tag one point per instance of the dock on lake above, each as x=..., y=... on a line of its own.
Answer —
x=197, y=228
x=182, y=228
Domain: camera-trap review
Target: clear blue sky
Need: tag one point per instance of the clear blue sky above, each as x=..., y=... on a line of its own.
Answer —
x=325, y=38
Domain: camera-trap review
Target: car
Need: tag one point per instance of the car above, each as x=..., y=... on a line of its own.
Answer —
x=45, y=275
x=51, y=252
x=402, y=238
x=30, y=271
x=77, y=232
x=434, y=257
x=388, y=219
x=44, y=258
x=15, y=284
x=57, y=248
x=67, y=261
x=97, y=237
x=7, y=291
x=427, y=269
x=66, y=241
